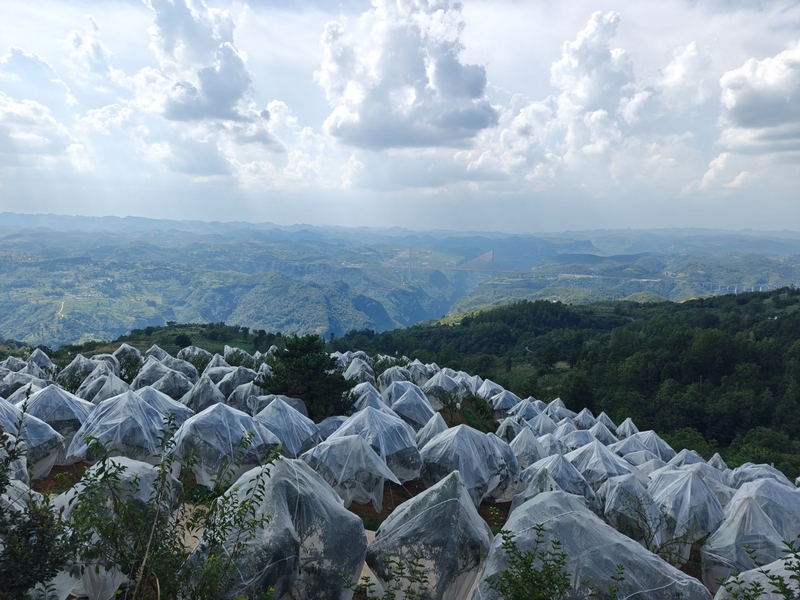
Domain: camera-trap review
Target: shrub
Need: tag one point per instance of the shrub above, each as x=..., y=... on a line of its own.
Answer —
x=34, y=543
x=537, y=574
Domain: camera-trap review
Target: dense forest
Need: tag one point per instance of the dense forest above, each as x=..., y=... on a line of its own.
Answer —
x=721, y=373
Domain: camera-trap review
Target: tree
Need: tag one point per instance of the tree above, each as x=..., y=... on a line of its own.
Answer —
x=182, y=340
x=304, y=370
x=34, y=542
x=531, y=574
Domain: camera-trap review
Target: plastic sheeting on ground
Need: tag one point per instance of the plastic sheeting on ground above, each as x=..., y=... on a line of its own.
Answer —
x=310, y=544
x=352, y=468
x=443, y=530
x=593, y=551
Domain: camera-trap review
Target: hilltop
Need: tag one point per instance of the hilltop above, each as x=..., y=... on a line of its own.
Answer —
x=73, y=279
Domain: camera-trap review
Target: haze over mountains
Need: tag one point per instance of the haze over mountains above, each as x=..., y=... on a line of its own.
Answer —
x=68, y=279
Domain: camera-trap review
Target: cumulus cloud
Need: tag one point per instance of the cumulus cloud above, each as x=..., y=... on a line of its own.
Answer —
x=684, y=81
x=400, y=82
x=89, y=60
x=25, y=76
x=761, y=104
x=203, y=75
x=596, y=98
x=30, y=136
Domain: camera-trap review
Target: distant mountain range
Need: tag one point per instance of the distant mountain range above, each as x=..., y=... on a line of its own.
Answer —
x=67, y=279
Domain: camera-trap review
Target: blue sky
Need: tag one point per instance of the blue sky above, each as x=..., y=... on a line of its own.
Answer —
x=507, y=115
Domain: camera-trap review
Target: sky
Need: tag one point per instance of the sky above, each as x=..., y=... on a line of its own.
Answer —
x=502, y=115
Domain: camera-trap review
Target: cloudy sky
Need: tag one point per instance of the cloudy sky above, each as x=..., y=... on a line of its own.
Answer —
x=511, y=115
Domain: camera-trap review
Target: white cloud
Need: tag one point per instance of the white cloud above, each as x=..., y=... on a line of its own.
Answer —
x=399, y=81
x=31, y=137
x=26, y=76
x=715, y=168
x=89, y=60
x=761, y=104
x=596, y=96
x=684, y=81
x=425, y=102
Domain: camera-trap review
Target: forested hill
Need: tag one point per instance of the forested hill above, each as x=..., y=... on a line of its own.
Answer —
x=725, y=368
x=721, y=373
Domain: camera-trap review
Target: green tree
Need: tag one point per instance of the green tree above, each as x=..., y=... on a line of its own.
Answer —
x=539, y=573
x=34, y=542
x=182, y=340
x=305, y=370
x=579, y=393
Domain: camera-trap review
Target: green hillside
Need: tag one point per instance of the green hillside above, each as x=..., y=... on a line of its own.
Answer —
x=716, y=373
x=67, y=280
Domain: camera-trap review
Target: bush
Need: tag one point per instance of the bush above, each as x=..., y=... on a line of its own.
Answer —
x=305, y=370
x=113, y=528
x=538, y=574
x=34, y=543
